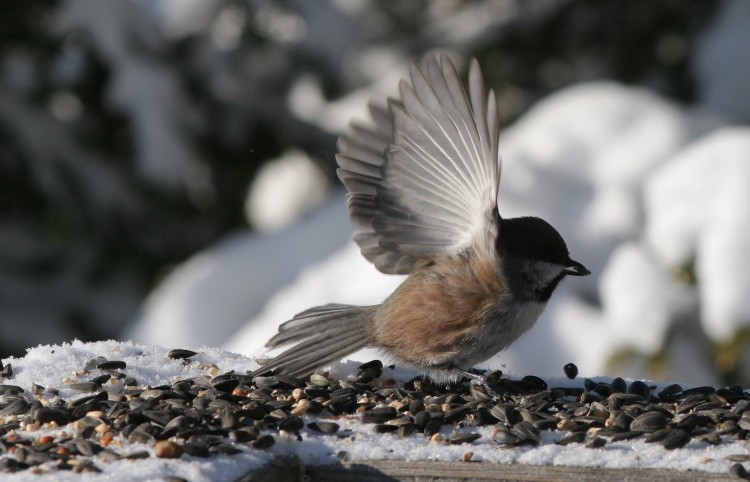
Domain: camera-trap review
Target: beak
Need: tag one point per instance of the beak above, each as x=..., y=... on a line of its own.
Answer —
x=574, y=268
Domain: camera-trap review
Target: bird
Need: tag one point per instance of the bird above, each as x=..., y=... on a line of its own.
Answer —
x=423, y=184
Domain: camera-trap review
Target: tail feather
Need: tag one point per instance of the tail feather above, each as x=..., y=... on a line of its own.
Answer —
x=323, y=334
x=311, y=322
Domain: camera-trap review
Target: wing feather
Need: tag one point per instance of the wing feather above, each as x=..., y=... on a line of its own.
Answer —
x=424, y=180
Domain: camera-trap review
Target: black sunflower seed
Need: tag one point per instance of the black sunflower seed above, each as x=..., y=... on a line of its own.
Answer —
x=534, y=382
x=202, y=450
x=225, y=383
x=705, y=390
x=241, y=436
x=406, y=429
x=432, y=427
x=291, y=424
x=596, y=442
x=385, y=428
x=457, y=414
x=571, y=370
x=264, y=442
x=369, y=374
x=379, y=415
x=266, y=382
x=649, y=422
x=112, y=365
x=526, y=432
x=16, y=407
x=84, y=386
x=421, y=420
x=677, y=438
x=503, y=436
x=464, y=438
x=639, y=388
x=416, y=406
x=371, y=364
x=738, y=470
x=180, y=354
x=343, y=404
x=573, y=438
x=46, y=415
x=657, y=436
x=618, y=385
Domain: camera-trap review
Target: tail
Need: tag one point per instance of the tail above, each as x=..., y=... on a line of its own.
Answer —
x=322, y=335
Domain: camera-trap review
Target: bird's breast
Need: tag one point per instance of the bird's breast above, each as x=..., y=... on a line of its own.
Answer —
x=500, y=329
x=438, y=309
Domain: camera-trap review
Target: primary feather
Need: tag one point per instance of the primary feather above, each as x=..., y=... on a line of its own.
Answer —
x=424, y=180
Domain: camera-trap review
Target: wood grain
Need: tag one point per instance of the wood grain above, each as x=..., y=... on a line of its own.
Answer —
x=290, y=470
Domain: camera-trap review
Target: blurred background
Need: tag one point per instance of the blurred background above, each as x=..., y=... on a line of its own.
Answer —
x=167, y=168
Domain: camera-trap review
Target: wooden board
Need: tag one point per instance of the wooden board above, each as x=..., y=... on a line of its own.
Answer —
x=288, y=469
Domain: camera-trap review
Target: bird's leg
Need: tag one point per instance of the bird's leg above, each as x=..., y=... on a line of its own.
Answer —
x=488, y=382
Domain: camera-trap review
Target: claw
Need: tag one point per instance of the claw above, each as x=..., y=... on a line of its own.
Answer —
x=488, y=382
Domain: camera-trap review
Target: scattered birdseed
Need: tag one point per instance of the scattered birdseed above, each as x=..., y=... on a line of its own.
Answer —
x=571, y=370
x=324, y=427
x=166, y=449
x=738, y=470
x=179, y=354
x=319, y=380
x=596, y=442
x=112, y=365
x=463, y=438
x=229, y=413
x=649, y=422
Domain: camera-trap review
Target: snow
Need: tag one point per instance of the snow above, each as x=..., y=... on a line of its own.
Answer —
x=285, y=189
x=578, y=159
x=699, y=206
x=51, y=365
x=207, y=299
x=181, y=18
x=639, y=300
x=164, y=156
x=318, y=284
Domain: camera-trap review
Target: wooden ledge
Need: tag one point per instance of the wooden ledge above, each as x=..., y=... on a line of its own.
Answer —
x=289, y=469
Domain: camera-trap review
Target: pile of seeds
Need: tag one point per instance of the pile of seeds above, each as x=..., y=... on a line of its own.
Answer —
x=229, y=413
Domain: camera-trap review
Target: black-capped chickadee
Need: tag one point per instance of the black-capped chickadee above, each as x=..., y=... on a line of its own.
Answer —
x=423, y=186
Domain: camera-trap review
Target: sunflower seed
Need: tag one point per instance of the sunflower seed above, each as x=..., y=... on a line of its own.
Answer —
x=649, y=422
x=112, y=365
x=571, y=370
x=677, y=438
x=180, y=354
x=464, y=438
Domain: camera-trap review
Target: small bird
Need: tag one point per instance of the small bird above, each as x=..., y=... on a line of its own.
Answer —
x=422, y=196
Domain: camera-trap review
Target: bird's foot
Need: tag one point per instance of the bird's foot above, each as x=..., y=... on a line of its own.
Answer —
x=486, y=381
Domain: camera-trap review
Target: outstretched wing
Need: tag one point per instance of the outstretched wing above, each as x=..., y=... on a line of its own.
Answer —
x=424, y=180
